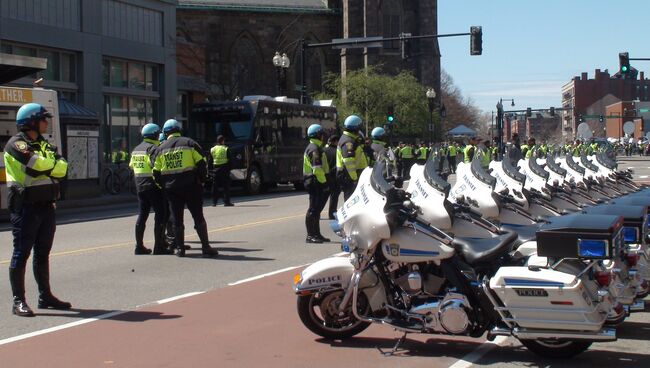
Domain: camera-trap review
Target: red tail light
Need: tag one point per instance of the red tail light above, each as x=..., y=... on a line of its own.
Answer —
x=603, y=278
x=632, y=259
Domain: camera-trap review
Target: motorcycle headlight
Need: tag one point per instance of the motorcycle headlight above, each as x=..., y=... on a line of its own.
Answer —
x=630, y=234
x=350, y=243
x=589, y=248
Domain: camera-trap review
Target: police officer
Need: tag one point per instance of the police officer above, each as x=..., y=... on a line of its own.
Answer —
x=378, y=144
x=468, y=151
x=314, y=170
x=406, y=153
x=350, y=157
x=335, y=191
x=532, y=148
x=33, y=169
x=180, y=168
x=221, y=169
x=442, y=154
x=423, y=153
x=149, y=193
x=452, y=152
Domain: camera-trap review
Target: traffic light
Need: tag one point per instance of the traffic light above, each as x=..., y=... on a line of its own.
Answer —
x=390, y=117
x=443, y=111
x=552, y=111
x=601, y=118
x=405, y=46
x=529, y=112
x=476, y=41
x=581, y=119
x=624, y=64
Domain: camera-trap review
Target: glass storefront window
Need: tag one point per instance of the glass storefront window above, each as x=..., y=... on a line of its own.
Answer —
x=23, y=51
x=118, y=74
x=136, y=76
x=151, y=74
x=119, y=126
x=137, y=119
x=53, y=67
x=106, y=72
x=5, y=49
x=68, y=67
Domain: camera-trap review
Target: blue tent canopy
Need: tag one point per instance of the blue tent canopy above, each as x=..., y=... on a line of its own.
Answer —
x=462, y=130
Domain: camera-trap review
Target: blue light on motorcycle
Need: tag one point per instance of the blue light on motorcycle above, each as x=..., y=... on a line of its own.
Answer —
x=336, y=228
x=589, y=248
x=345, y=245
x=630, y=234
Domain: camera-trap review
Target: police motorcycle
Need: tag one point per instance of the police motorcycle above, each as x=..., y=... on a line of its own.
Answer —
x=411, y=276
x=473, y=184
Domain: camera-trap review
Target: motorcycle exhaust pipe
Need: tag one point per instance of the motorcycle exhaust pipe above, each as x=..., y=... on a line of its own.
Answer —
x=606, y=334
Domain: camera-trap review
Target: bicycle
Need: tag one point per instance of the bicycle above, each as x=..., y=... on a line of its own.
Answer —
x=118, y=177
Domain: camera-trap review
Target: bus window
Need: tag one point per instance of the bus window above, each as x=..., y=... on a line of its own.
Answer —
x=233, y=126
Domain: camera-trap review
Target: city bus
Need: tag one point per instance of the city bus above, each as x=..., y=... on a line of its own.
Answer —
x=11, y=99
x=267, y=136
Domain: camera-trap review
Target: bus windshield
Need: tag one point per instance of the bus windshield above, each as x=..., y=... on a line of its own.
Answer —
x=234, y=126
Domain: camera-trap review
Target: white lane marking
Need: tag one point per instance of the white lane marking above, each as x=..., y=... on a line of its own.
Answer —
x=173, y=298
x=62, y=327
x=476, y=354
x=643, y=176
x=265, y=275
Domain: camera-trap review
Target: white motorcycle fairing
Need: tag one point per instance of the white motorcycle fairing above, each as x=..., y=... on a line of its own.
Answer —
x=478, y=193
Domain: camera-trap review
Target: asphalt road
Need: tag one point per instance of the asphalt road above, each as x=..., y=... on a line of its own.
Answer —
x=249, y=324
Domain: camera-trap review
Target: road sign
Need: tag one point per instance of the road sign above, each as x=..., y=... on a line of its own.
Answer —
x=348, y=43
x=644, y=110
x=628, y=127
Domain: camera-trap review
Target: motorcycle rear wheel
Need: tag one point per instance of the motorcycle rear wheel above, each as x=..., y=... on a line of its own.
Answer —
x=559, y=349
x=326, y=322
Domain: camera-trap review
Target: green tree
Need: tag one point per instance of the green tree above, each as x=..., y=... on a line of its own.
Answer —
x=369, y=94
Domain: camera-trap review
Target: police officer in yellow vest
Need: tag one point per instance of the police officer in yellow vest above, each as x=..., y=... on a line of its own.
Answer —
x=532, y=149
x=407, y=155
x=149, y=193
x=350, y=156
x=314, y=169
x=221, y=172
x=452, y=152
x=180, y=169
x=33, y=169
x=422, y=154
x=468, y=152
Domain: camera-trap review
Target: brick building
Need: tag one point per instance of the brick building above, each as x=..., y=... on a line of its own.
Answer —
x=592, y=96
x=225, y=47
x=621, y=112
x=544, y=128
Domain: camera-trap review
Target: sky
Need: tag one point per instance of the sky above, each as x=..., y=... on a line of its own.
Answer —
x=531, y=48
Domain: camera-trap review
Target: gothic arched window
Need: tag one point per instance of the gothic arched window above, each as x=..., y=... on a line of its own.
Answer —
x=390, y=14
x=245, y=61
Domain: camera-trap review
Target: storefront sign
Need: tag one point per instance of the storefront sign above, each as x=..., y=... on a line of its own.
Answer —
x=15, y=95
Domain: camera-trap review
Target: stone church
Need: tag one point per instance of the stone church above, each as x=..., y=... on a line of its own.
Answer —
x=225, y=48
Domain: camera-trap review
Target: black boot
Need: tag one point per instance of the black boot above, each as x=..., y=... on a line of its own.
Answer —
x=206, y=249
x=160, y=246
x=139, y=241
x=312, y=234
x=45, y=297
x=17, y=279
x=179, y=241
x=318, y=235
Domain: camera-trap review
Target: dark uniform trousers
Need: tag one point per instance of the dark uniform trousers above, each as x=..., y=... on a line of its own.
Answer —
x=317, y=199
x=346, y=184
x=221, y=179
x=334, y=194
x=33, y=226
x=148, y=199
x=190, y=196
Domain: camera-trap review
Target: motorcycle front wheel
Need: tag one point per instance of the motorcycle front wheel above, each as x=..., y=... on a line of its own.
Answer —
x=319, y=313
x=556, y=348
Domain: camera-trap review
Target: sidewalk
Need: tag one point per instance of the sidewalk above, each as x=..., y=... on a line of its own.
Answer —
x=102, y=200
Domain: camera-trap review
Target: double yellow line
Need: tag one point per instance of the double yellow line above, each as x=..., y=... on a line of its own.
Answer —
x=217, y=230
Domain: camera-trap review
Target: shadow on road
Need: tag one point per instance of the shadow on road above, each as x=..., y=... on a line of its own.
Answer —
x=520, y=356
x=410, y=348
x=228, y=257
x=218, y=242
x=132, y=316
x=633, y=331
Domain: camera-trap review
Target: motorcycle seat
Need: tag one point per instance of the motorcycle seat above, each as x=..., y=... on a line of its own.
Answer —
x=478, y=250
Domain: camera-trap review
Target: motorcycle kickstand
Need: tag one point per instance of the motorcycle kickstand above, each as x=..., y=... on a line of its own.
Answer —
x=395, y=349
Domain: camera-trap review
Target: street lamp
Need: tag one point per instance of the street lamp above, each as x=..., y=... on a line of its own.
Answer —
x=281, y=64
x=500, y=123
x=431, y=97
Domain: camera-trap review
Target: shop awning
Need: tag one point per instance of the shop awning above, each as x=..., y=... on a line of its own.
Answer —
x=13, y=67
x=68, y=110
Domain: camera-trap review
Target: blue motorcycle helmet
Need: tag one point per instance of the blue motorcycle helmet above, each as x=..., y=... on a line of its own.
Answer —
x=29, y=115
x=314, y=131
x=150, y=131
x=378, y=133
x=352, y=123
x=161, y=137
x=172, y=126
